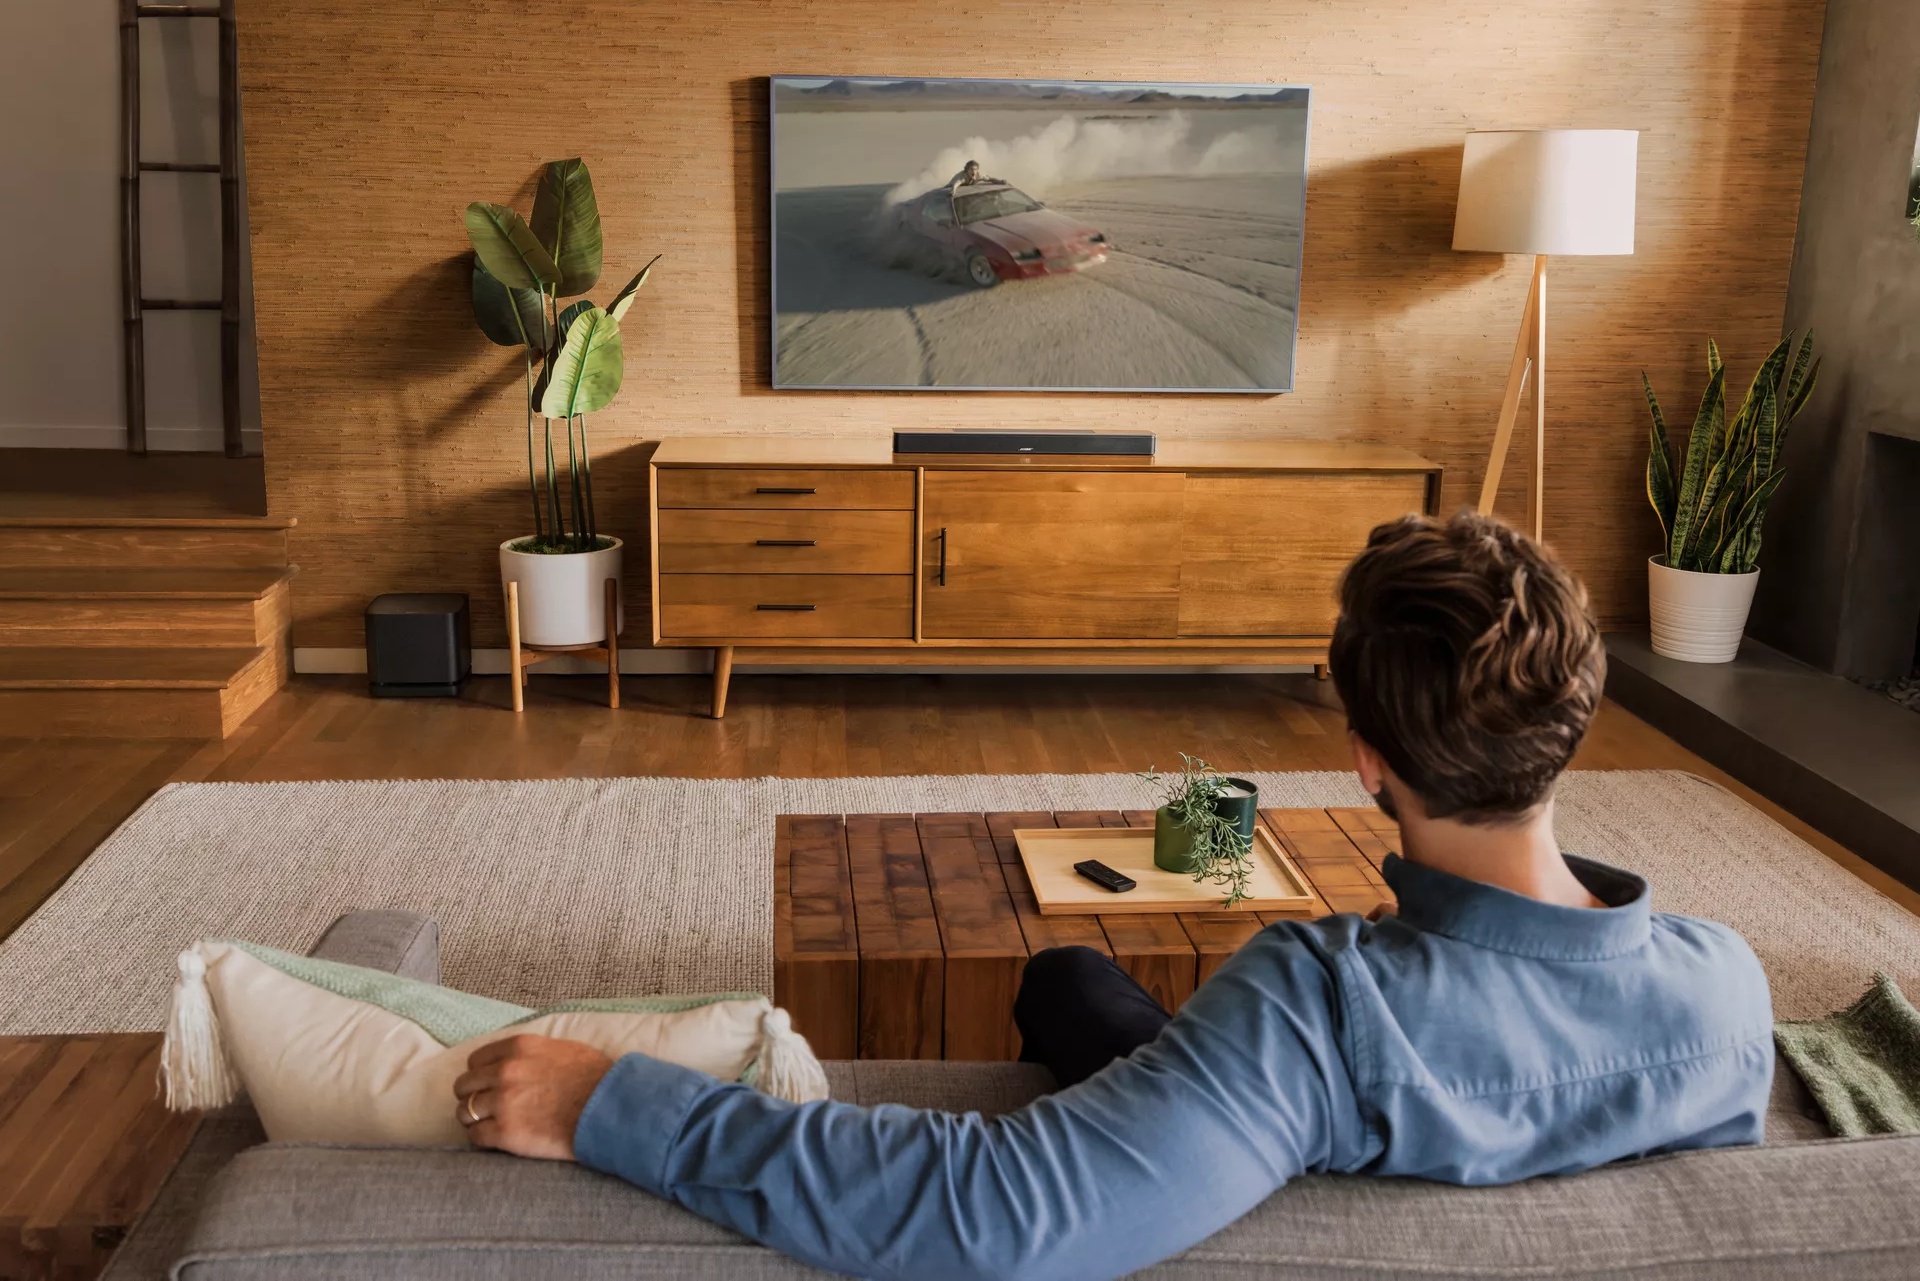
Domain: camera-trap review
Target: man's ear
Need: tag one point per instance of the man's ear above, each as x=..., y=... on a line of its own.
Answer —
x=1368, y=764
x=1380, y=780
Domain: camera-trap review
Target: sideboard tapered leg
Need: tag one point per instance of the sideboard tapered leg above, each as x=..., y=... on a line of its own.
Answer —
x=722, y=675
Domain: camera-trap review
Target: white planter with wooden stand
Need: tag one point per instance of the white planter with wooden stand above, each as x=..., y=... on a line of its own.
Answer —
x=568, y=604
x=1698, y=618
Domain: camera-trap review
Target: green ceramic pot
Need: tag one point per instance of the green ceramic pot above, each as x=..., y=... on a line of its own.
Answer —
x=1173, y=844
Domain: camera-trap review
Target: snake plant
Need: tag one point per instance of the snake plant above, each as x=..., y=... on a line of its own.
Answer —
x=521, y=271
x=1710, y=516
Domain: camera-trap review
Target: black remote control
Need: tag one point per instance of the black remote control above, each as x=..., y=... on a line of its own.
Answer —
x=1100, y=874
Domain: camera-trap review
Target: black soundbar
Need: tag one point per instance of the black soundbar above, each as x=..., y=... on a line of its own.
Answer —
x=991, y=440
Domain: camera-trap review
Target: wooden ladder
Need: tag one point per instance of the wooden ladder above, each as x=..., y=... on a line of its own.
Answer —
x=134, y=304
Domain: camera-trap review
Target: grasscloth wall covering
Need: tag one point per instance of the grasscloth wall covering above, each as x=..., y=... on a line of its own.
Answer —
x=392, y=430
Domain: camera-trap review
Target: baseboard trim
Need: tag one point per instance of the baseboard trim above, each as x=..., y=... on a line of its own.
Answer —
x=309, y=660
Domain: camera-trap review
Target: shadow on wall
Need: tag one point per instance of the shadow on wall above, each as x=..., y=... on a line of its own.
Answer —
x=752, y=215
x=1379, y=242
x=468, y=525
x=455, y=410
x=1380, y=238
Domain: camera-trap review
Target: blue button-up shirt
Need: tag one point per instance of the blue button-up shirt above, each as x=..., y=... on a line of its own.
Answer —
x=1478, y=1037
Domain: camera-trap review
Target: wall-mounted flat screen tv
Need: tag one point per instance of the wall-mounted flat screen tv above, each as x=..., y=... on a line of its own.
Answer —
x=1027, y=235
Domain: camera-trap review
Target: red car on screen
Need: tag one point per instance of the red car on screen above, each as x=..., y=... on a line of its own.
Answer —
x=994, y=232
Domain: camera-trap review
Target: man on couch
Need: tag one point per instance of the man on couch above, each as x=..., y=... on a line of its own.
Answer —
x=1524, y=1013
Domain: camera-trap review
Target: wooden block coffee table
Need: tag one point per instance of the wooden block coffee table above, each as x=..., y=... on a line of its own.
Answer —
x=85, y=1143
x=903, y=936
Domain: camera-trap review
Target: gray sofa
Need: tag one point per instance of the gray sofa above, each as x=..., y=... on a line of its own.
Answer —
x=1804, y=1206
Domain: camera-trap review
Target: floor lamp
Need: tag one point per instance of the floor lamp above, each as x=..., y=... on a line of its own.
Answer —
x=1541, y=192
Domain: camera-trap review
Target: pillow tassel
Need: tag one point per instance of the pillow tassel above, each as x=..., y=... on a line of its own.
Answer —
x=786, y=1068
x=194, y=1062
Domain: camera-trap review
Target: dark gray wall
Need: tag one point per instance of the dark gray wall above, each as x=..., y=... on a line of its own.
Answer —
x=1833, y=588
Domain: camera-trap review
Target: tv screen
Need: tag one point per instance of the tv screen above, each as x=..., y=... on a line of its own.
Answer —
x=1014, y=235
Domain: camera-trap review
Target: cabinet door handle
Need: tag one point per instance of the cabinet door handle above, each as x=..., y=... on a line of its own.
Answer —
x=785, y=489
x=943, y=556
x=788, y=609
x=784, y=542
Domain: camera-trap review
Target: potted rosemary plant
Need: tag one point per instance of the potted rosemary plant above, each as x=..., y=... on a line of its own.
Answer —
x=1205, y=826
x=1701, y=587
x=574, y=363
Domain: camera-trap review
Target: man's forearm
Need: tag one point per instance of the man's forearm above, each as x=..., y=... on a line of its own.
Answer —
x=1239, y=1093
x=1073, y=1186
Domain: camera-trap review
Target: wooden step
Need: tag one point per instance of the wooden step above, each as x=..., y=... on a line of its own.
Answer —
x=107, y=542
x=97, y=691
x=151, y=608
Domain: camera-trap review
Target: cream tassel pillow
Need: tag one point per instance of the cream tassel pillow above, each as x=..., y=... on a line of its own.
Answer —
x=339, y=1054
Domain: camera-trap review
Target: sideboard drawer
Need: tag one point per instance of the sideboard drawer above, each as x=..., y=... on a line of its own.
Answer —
x=785, y=606
x=876, y=488
x=746, y=541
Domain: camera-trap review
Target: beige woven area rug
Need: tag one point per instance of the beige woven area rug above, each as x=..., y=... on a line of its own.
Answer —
x=581, y=887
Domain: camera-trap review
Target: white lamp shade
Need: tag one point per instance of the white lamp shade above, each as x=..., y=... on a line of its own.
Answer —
x=1547, y=191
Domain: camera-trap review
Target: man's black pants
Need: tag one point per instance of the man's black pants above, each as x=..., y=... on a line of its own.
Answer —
x=1077, y=1012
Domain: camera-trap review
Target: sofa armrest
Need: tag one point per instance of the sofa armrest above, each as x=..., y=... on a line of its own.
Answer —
x=403, y=943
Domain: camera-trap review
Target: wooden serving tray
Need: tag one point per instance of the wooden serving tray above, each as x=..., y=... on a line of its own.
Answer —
x=1050, y=853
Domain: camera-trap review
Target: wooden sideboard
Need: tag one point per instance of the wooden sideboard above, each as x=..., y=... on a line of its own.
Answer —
x=791, y=551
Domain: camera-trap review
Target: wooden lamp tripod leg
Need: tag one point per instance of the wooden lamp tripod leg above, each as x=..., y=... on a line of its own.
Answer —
x=613, y=643
x=518, y=674
x=1529, y=356
x=1539, y=506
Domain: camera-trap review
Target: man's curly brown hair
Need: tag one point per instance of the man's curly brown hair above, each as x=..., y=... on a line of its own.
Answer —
x=1468, y=658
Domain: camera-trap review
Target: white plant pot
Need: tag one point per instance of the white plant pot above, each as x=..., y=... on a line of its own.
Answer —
x=563, y=599
x=1698, y=618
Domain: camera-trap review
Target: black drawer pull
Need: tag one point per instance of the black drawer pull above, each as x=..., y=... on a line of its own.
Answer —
x=788, y=609
x=784, y=542
x=785, y=489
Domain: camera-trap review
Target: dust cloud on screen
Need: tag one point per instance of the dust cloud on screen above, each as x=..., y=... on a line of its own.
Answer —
x=1066, y=152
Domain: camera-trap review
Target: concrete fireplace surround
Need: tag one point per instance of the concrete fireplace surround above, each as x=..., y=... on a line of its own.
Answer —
x=1839, y=597
x=1840, y=580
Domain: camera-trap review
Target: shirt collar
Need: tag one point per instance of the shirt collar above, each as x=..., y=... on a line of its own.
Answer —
x=1502, y=921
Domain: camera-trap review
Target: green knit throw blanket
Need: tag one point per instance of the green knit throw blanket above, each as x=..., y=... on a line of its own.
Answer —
x=1861, y=1065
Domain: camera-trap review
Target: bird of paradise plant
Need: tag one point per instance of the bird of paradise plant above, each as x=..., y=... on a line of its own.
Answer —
x=1711, y=516
x=572, y=356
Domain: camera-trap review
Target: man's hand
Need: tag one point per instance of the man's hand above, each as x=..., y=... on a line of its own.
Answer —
x=525, y=1094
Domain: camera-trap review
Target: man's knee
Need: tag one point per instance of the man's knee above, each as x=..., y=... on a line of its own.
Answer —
x=1056, y=963
x=1054, y=973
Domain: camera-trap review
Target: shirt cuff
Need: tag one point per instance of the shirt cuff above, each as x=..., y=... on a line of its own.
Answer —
x=634, y=1118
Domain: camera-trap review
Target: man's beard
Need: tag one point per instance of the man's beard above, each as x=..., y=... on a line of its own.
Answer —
x=1384, y=800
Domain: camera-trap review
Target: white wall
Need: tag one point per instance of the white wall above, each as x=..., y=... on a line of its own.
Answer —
x=60, y=329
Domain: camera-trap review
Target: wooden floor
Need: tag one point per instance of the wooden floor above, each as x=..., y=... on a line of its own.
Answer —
x=60, y=797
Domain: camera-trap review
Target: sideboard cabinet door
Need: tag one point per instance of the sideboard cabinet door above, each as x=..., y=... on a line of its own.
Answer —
x=1047, y=555
x=1263, y=553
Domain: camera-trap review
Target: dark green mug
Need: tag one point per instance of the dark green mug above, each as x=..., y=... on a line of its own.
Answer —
x=1173, y=843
